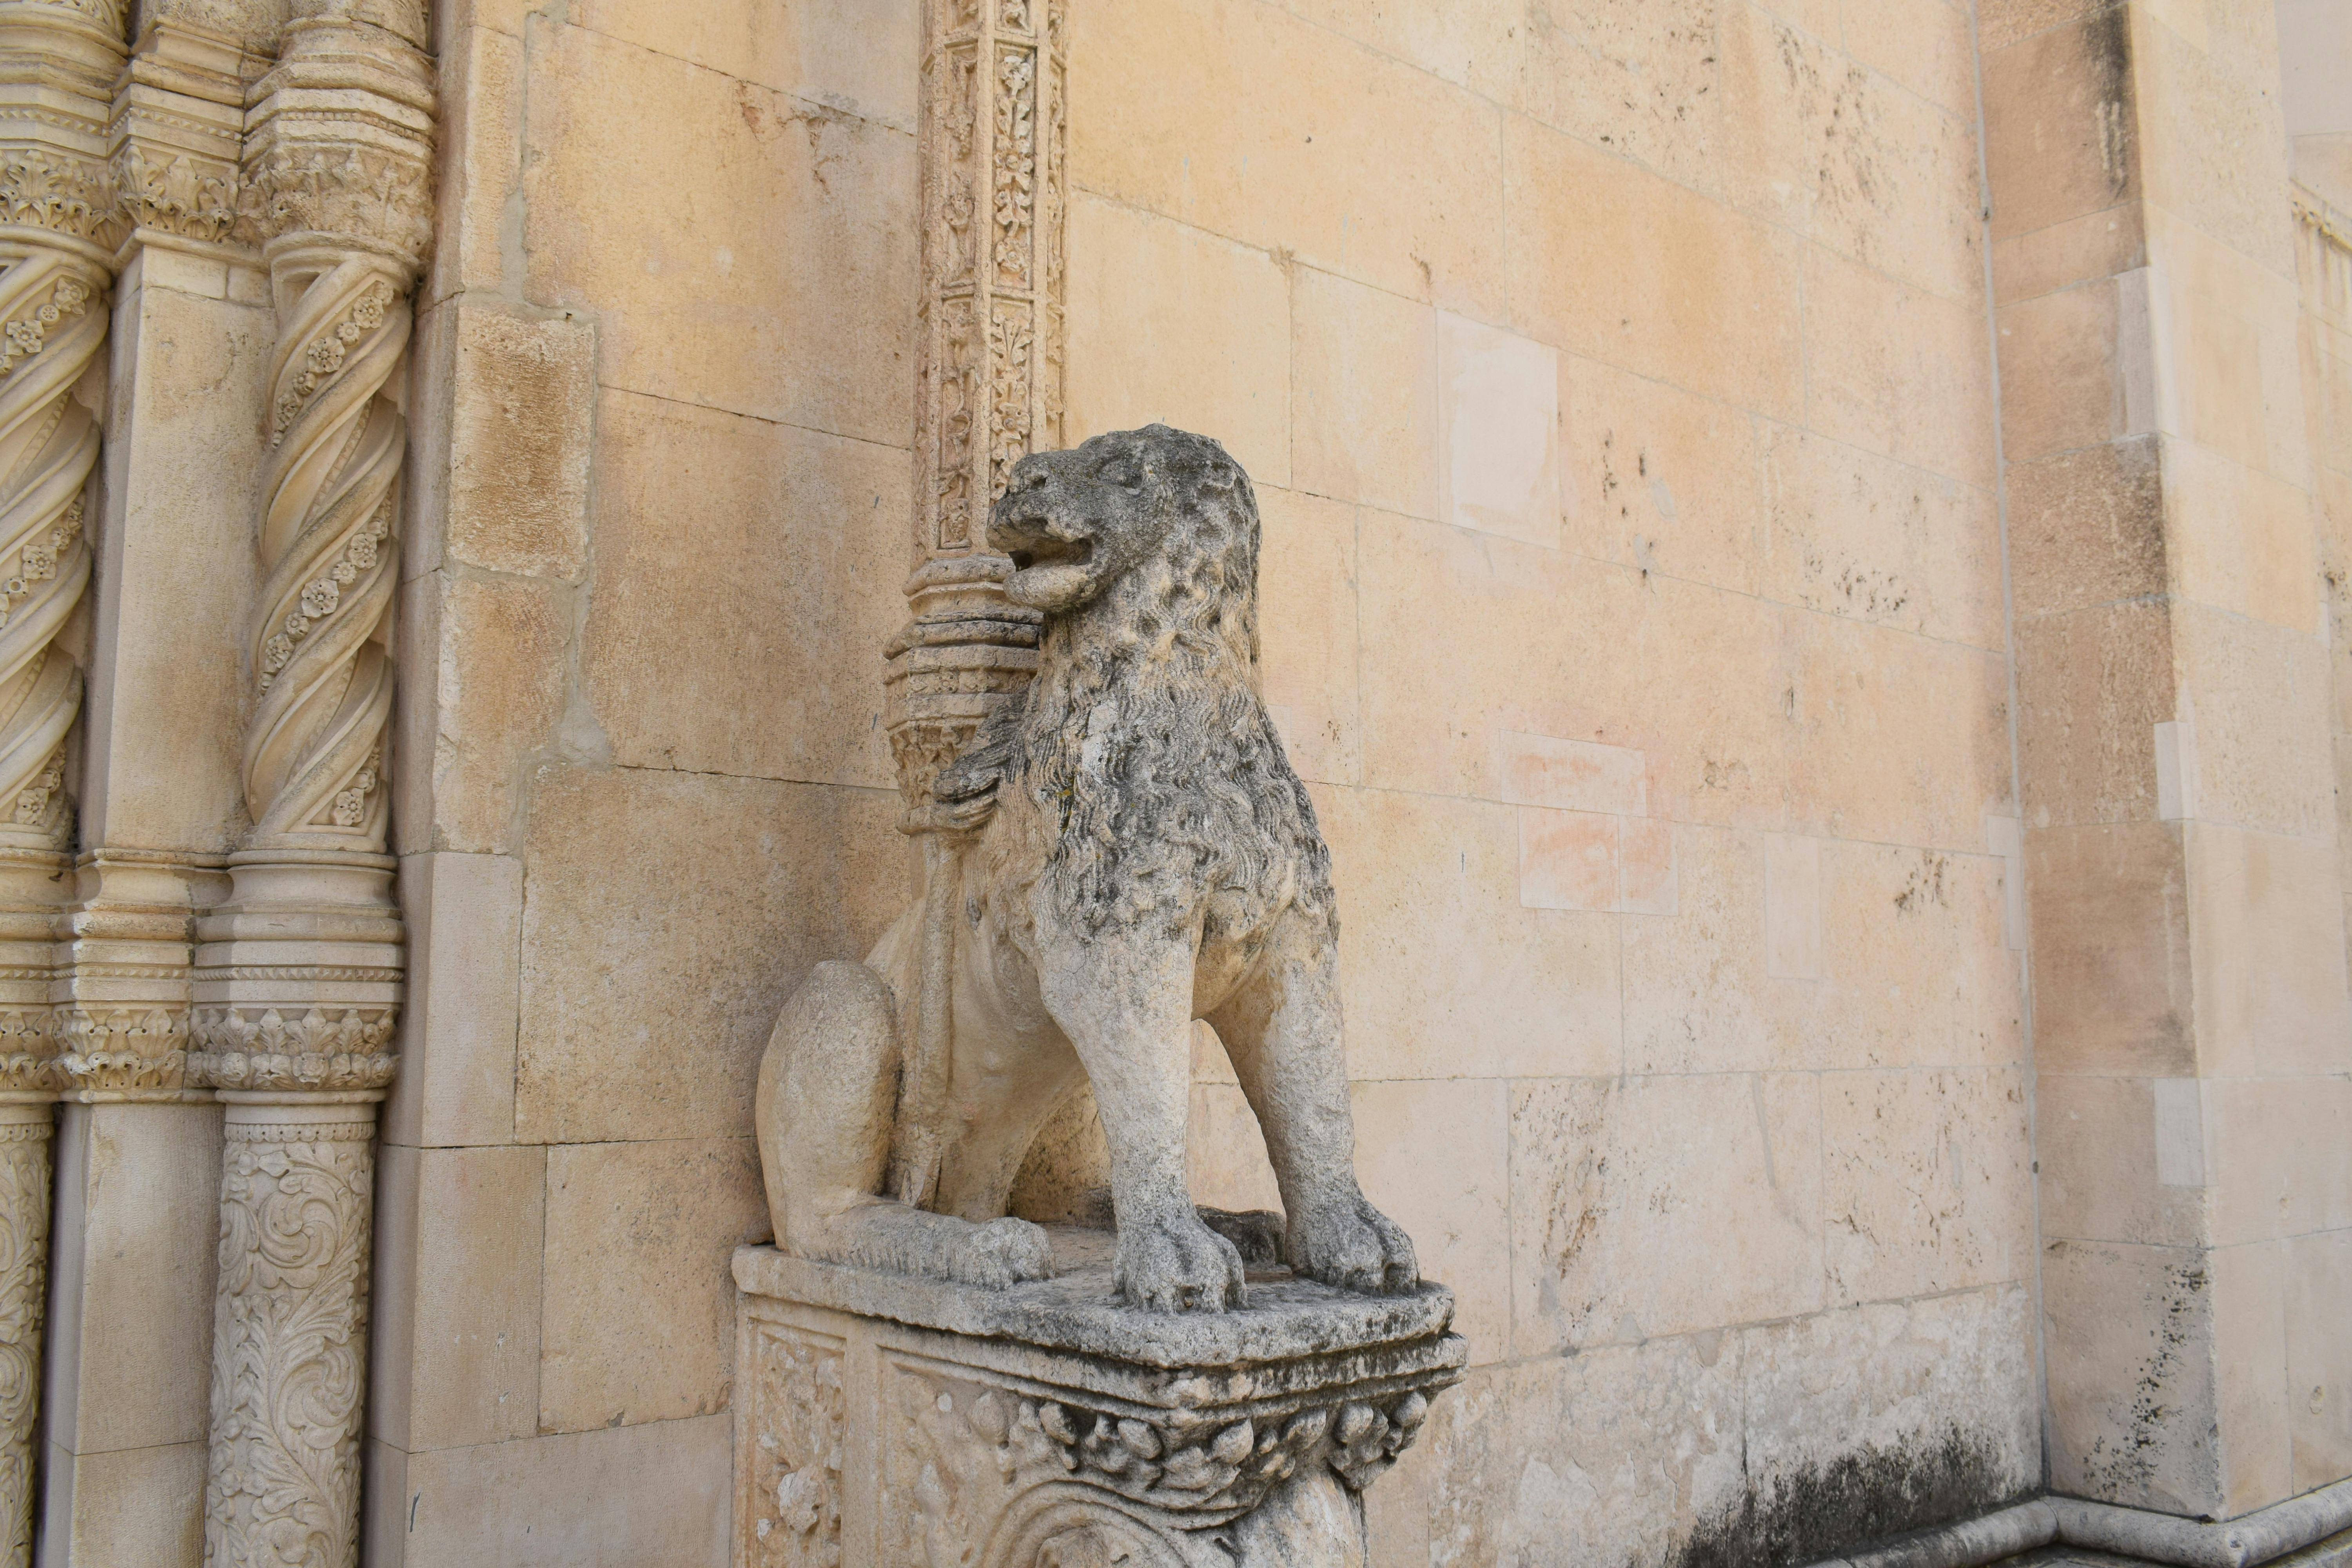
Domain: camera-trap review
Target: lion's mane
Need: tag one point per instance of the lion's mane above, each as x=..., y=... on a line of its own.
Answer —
x=1143, y=779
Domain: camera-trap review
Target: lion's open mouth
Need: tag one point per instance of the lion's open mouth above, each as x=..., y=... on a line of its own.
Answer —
x=1051, y=551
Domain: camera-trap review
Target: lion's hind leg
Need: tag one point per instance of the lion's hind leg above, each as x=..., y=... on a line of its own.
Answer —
x=827, y=1095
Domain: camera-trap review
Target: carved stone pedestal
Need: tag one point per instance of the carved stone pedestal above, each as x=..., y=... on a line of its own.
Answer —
x=910, y=1423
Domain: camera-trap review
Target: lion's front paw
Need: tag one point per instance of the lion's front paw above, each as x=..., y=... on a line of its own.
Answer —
x=1000, y=1253
x=1177, y=1265
x=1350, y=1243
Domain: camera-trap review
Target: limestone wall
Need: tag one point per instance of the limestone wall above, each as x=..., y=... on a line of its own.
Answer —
x=1618, y=386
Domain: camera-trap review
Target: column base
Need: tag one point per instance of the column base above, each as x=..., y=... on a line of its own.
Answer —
x=891, y=1420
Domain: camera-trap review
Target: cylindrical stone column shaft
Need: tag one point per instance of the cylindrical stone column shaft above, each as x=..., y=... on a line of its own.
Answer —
x=27, y=1124
x=289, y=1329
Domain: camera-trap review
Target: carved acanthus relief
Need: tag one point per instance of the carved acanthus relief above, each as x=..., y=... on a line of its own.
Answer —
x=289, y=1345
x=794, y=1409
x=23, y=1281
x=986, y=1476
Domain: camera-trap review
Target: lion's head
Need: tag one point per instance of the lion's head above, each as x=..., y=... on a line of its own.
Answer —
x=1156, y=516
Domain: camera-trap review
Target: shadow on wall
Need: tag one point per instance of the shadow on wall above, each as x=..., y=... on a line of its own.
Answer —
x=1865, y=1495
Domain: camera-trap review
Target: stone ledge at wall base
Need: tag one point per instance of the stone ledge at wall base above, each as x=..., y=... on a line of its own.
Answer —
x=2314, y=1530
x=899, y=1422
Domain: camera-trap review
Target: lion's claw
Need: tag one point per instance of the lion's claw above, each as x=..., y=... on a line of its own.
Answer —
x=1177, y=1265
x=1351, y=1245
x=1002, y=1252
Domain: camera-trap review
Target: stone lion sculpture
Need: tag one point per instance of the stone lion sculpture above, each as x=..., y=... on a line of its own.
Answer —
x=1145, y=857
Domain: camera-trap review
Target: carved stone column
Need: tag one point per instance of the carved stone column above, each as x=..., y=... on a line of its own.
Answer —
x=297, y=982
x=990, y=393
x=58, y=224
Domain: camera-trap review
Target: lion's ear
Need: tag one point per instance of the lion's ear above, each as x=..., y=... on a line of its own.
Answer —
x=1219, y=475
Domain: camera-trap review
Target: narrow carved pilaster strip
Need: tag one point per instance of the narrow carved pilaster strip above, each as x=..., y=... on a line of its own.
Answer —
x=289, y=1340
x=24, y=1289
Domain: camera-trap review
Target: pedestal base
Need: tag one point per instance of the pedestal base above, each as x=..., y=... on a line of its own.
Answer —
x=910, y=1423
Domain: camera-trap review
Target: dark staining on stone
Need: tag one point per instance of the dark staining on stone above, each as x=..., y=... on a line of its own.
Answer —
x=1858, y=1499
x=1924, y=886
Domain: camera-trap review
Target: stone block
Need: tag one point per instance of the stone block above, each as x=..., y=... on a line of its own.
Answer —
x=2318, y=1357
x=2110, y=950
x=1470, y=43
x=1899, y=739
x=1720, y=743
x=2259, y=697
x=1568, y=860
x=479, y=146
x=1792, y=907
x=497, y=652
x=1569, y=775
x=649, y=984
x=1658, y=479
x=1925, y=1182
x=2268, y=954
x=2092, y=686
x=523, y=397
x=1697, y=998
x=1612, y=263
x=2058, y=96
x=1497, y=431
x=1613, y=1456
x=1870, y=1420
x=864, y=61
x=2075, y=368
x=2250, y=1379
x=1642, y=1207
x=2077, y=250
x=1364, y=395
x=742, y=635
x=1646, y=86
x=1301, y=151
x=2087, y=527
x=2241, y=540
x=2279, y=1156
x=454, y=1341
x=1877, y=351
x=456, y=1078
x=2228, y=349
x=1536, y=641
x=653, y=1496
x=739, y=249
x=1814, y=141
x=134, y=1505
x=2105, y=1154
x=176, y=572
x=1925, y=45
x=1443, y=972
x=1457, y=1214
x=1646, y=862
x=2224, y=184
x=1141, y=289
x=2127, y=1336
x=1869, y=539
x=1307, y=631
x=132, y=1267
x=638, y=1319
x=1914, y=968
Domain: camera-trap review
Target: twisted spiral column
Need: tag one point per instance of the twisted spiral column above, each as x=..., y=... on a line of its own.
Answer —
x=314, y=745
x=299, y=974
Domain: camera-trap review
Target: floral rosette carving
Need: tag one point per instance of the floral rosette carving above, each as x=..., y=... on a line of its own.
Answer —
x=314, y=746
x=52, y=326
x=313, y=1048
x=290, y=1346
x=24, y=1287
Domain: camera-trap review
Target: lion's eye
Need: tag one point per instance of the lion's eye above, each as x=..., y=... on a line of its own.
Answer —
x=1124, y=474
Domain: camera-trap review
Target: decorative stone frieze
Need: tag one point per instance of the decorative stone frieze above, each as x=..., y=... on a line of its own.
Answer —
x=297, y=982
